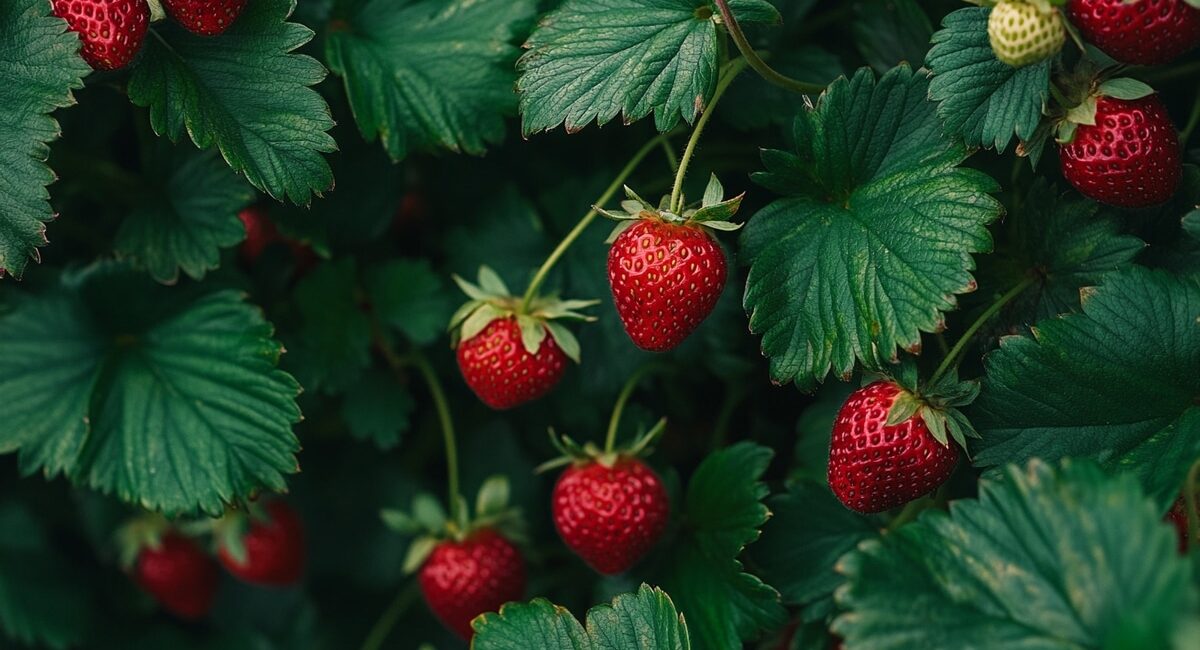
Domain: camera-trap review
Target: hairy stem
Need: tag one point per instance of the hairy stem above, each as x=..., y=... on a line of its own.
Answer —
x=755, y=61
x=728, y=74
x=587, y=219
x=961, y=345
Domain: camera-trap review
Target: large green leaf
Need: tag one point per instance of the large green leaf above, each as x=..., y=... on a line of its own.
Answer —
x=645, y=620
x=189, y=215
x=874, y=236
x=37, y=585
x=589, y=61
x=1062, y=241
x=39, y=66
x=168, y=397
x=333, y=346
x=809, y=531
x=1117, y=382
x=723, y=512
x=429, y=73
x=246, y=92
x=983, y=100
x=1048, y=558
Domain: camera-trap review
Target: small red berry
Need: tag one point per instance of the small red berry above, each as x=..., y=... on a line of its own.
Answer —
x=496, y=365
x=1147, y=32
x=112, y=31
x=666, y=279
x=1129, y=158
x=1177, y=515
x=180, y=576
x=610, y=516
x=874, y=467
x=205, y=17
x=260, y=232
x=461, y=580
x=275, y=549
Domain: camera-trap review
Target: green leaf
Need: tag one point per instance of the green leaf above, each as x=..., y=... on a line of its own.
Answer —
x=890, y=32
x=40, y=65
x=191, y=213
x=409, y=296
x=378, y=408
x=1062, y=241
x=980, y=98
x=1125, y=88
x=1046, y=558
x=335, y=336
x=723, y=509
x=168, y=397
x=809, y=531
x=37, y=585
x=637, y=621
x=428, y=74
x=1116, y=383
x=875, y=234
x=589, y=61
x=246, y=92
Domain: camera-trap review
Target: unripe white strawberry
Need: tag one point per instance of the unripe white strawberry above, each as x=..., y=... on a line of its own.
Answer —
x=1022, y=32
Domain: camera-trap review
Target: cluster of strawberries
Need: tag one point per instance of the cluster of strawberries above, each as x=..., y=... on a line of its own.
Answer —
x=112, y=31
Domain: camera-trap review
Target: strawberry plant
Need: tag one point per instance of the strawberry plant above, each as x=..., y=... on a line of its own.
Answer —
x=622, y=324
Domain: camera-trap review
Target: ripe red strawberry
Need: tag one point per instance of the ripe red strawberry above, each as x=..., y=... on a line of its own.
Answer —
x=874, y=467
x=461, y=580
x=274, y=549
x=496, y=365
x=1177, y=515
x=1129, y=158
x=205, y=17
x=112, y=31
x=610, y=516
x=666, y=279
x=260, y=232
x=1147, y=32
x=180, y=576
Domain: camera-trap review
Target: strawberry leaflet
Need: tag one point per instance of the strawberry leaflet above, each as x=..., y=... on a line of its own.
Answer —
x=874, y=236
x=1116, y=383
x=246, y=92
x=168, y=398
x=40, y=64
x=1047, y=557
x=428, y=74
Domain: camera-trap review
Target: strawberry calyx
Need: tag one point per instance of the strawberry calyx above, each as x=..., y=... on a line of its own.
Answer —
x=490, y=300
x=428, y=524
x=140, y=532
x=714, y=211
x=1084, y=112
x=572, y=453
x=938, y=404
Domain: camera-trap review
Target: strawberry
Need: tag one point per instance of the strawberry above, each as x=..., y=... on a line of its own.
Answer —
x=180, y=576
x=510, y=352
x=205, y=17
x=270, y=552
x=874, y=466
x=112, y=31
x=1147, y=32
x=667, y=271
x=610, y=515
x=1023, y=33
x=1128, y=158
x=262, y=233
x=463, y=579
x=1177, y=516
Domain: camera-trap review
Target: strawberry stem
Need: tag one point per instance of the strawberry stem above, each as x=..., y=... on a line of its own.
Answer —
x=755, y=61
x=587, y=219
x=383, y=627
x=1193, y=119
x=614, y=422
x=727, y=75
x=443, y=410
x=987, y=315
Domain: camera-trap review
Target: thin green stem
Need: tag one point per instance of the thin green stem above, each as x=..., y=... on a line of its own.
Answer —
x=755, y=61
x=443, y=410
x=961, y=345
x=383, y=627
x=728, y=74
x=587, y=219
x=614, y=422
x=1190, y=498
x=672, y=159
x=1071, y=31
x=1193, y=119
x=910, y=512
x=734, y=393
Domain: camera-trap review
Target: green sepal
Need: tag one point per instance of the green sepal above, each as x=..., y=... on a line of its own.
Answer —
x=1083, y=113
x=714, y=211
x=905, y=406
x=493, y=496
x=399, y=521
x=428, y=512
x=621, y=227
x=143, y=531
x=936, y=422
x=533, y=332
x=1125, y=88
x=419, y=551
x=565, y=339
x=229, y=534
x=713, y=193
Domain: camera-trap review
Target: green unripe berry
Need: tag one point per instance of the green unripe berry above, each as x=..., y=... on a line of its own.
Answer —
x=1023, y=33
